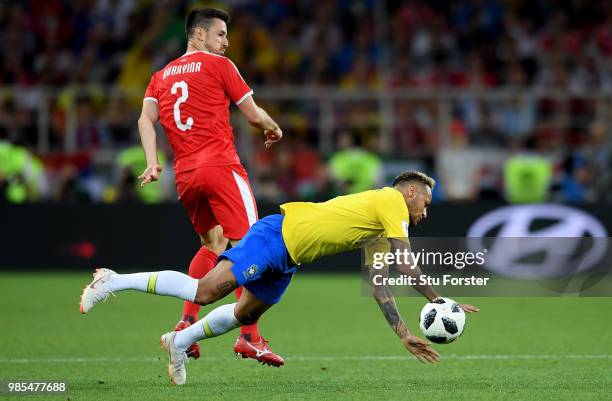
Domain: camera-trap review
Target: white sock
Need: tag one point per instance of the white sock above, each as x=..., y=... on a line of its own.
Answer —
x=166, y=282
x=217, y=322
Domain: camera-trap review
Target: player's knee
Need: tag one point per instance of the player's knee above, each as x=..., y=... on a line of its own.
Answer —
x=216, y=247
x=246, y=317
x=214, y=240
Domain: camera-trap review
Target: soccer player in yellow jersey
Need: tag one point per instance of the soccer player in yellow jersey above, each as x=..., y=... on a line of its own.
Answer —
x=266, y=258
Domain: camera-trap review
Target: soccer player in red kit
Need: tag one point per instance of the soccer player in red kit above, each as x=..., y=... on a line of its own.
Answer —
x=190, y=97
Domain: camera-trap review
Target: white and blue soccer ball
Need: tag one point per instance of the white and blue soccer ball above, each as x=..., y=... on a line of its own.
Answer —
x=442, y=321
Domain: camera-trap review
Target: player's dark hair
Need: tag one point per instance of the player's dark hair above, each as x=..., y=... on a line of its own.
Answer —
x=415, y=176
x=202, y=18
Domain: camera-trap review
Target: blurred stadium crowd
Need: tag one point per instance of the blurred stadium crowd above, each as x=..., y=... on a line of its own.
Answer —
x=506, y=99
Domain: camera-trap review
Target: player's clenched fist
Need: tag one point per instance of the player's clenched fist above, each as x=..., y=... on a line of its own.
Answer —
x=150, y=174
x=273, y=136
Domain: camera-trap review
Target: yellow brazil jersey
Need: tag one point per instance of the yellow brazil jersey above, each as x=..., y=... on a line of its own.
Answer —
x=313, y=230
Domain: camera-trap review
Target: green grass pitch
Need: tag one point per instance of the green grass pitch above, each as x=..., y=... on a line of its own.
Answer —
x=335, y=341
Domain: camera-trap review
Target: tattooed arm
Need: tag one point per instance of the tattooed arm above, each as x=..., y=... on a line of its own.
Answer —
x=386, y=301
x=413, y=270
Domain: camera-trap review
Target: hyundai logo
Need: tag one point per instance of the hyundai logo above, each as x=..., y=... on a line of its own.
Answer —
x=539, y=241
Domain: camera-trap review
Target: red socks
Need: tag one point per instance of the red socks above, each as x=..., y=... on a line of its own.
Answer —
x=250, y=332
x=203, y=262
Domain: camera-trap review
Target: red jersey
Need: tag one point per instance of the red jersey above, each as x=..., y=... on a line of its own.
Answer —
x=193, y=94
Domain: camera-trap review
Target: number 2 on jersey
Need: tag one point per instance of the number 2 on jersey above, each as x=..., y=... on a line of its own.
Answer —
x=177, y=104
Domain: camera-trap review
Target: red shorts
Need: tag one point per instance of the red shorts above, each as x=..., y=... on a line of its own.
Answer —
x=218, y=195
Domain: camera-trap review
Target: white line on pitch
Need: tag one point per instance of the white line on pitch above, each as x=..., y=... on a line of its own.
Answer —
x=310, y=358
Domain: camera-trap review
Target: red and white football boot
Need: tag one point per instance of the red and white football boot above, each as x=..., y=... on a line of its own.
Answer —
x=258, y=350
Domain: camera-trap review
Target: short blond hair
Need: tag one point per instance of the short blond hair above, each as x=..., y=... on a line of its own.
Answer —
x=412, y=176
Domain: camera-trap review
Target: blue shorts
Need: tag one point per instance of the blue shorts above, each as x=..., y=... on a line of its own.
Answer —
x=261, y=262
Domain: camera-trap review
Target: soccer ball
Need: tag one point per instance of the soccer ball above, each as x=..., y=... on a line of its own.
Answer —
x=442, y=321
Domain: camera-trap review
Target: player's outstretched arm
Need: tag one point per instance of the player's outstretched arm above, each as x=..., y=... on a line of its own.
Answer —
x=146, y=128
x=412, y=270
x=420, y=348
x=259, y=118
